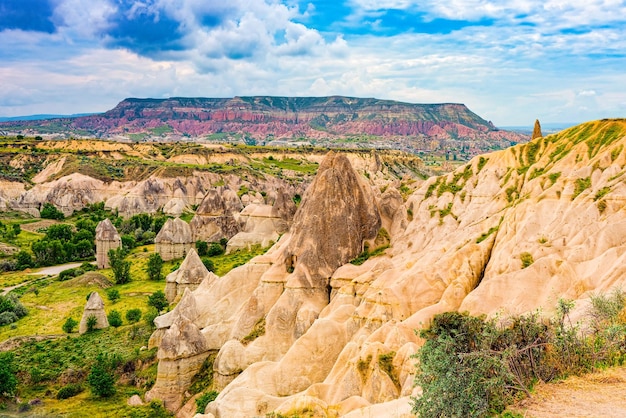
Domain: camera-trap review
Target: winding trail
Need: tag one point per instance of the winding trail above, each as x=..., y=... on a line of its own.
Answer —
x=46, y=271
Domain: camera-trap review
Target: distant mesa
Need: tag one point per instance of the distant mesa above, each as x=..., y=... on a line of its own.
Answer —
x=268, y=120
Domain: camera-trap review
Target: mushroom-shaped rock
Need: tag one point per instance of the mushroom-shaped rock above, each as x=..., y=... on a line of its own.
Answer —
x=174, y=240
x=107, y=239
x=181, y=353
x=215, y=217
x=188, y=276
x=95, y=308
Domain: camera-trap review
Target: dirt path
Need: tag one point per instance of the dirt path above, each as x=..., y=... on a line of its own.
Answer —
x=46, y=271
x=601, y=395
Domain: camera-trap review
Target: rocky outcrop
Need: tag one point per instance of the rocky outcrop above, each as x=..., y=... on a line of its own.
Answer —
x=215, y=217
x=94, y=307
x=262, y=225
x=174, y=240
x=107, y=239
x=508, y=233
x=188, y=276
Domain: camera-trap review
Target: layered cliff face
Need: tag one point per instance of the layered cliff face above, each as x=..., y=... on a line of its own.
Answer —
x=270, y=119
x=510, y=232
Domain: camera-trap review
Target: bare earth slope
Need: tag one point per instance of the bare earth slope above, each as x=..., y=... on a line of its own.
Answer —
x=510, y=232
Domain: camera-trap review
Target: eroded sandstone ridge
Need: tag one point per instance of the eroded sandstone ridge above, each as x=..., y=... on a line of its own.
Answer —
x=509, y=232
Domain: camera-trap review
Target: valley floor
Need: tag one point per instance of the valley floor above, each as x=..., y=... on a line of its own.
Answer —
x=601, y=394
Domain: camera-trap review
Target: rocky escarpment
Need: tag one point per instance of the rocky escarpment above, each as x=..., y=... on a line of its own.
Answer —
x=510, y=232
x=276, y=119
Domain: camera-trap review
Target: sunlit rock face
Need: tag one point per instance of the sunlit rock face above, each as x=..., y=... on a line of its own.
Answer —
x=507, y=233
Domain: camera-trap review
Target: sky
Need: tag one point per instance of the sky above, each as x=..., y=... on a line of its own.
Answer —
x=509, y=61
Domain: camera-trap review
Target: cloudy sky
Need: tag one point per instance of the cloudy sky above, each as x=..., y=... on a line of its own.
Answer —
x=510, y=61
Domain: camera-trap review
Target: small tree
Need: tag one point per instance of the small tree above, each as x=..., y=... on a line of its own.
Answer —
x=155, y=267
x=69, y=325
x=113, y=295
x=120, y=266
x=101, y=379
x=24, y=260
x=133, y=315
x=158, y=300
x=8, y=381
x=115, y=318
x=202, y=248
x=208, y=264
x=49, y=211
x=92, y=321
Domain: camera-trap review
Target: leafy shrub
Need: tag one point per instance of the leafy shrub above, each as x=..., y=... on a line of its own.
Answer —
x=133, y=315
x=92, y=321
x=101, y=379
x=113, y=295
x=69, y=325
x=149, y=316
x=114, y=318
x=120, y=266
x=8, y=381
x=24, y=260
x=7, y=317
x=49, y=211
x=158, y=300
x=208, y=263
x=215, y=249
x=69, y=391
x=204, y=400
x=155, y=267
x=202, y=248
x=527, y=259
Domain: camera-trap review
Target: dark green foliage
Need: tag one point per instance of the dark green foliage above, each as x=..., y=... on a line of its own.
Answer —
x=11, y=309
x=204, y=400
x=92, y=321
x=155, y=267
x=149, y=316
x=101, y=379
x=49, y=211
x=133, y=315
x=62, y=244
x=120, y=266
x=69, y=391
x=215, y=248
x=113, y=295
x=70, y=273
x=8, y=380
x=69, y=325
x=481, y=163
x=202, y=248
x=114, y=318
x=208, y=264
x=158, y=301
x=24, y=260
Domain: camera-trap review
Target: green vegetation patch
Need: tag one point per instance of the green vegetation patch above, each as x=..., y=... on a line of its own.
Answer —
x=580, y=186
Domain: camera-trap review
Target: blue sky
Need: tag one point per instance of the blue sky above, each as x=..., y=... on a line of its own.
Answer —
x=510, y=61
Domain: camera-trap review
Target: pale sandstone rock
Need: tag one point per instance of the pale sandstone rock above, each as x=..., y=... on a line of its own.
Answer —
x=174, y=240
x=262, y=225
x=95, y=307
x=135, y=400
x=107, y=239
x=215, y=217
x=188, y=276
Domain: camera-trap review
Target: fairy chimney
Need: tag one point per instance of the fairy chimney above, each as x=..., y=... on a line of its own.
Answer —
x=94, y=307
x=107, y=239
x=188, y=276
x=174, y=240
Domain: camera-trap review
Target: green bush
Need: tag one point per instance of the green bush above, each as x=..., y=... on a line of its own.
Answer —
x=101, y=379
x=202, y=248
x=114, y=318
x=204, y=400
x=92, y=321
x=208, y=263
x=120, y=266
x=69, y=325
x=69, y=391
x=158, y=301
x=8, y=380
x=113, y=295
x=133, y=315
x=11, y=309
x=215, y=249
x=155, y=267
x=49, y=211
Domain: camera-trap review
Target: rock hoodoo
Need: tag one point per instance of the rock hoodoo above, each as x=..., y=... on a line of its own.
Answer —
x=107, y=239
x=174, y=240
x=262, y=224
x=188, y=276
x=215, y=217
x=94, y=307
